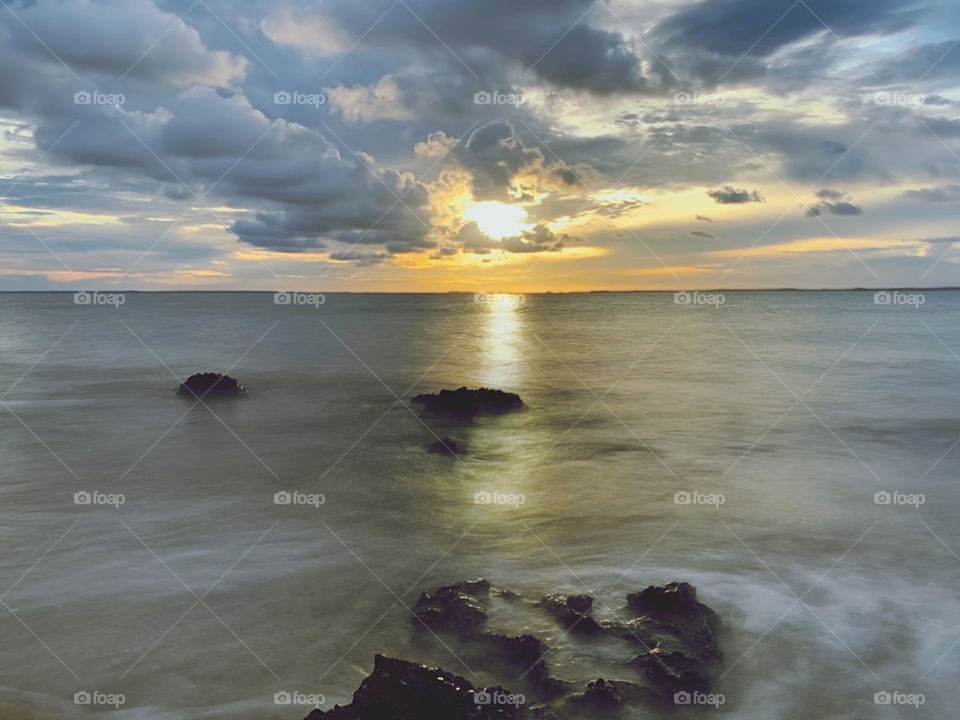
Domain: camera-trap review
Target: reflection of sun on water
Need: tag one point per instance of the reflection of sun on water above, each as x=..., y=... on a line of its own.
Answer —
x=502, y=330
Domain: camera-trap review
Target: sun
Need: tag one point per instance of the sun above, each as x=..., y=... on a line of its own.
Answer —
x=497, y=220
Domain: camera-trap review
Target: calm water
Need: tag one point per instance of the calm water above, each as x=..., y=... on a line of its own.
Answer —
x=300, y=598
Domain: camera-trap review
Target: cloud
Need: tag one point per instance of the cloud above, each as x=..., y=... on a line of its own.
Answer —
x=947, y=193
x=729, y=195
x=381, y=101
x=833, y=202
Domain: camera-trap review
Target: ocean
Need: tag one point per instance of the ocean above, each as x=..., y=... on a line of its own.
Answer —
x=791, y=454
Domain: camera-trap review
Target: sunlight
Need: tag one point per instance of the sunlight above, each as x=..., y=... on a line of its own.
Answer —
x=497, y=220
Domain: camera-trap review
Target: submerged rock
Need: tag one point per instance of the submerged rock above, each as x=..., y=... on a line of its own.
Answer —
x=466, y=402
x=676, y=633
x=211, y=385
x=447, y=446
x=403, y=690
x=572, y=611
x=453, y=608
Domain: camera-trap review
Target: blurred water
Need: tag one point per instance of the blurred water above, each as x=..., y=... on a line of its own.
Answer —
x=631, y=398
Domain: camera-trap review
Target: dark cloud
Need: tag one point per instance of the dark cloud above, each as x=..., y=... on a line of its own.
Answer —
x=729, y=195
x=948, y=193
x=834, y=202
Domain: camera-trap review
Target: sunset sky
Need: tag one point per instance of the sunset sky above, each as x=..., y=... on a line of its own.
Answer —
x=521, y=145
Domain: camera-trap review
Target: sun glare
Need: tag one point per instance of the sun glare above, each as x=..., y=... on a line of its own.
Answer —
x=497, y=220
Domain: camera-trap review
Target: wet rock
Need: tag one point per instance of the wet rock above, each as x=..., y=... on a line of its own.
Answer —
x=573, y=612
x=599, y=696
x=526, y=652
x=466, y=402
x=211, y=385
x=679, y=635
x=675, y=607
x=454, y=608
x=403, y=690
x=673, y=672
x=447, y=446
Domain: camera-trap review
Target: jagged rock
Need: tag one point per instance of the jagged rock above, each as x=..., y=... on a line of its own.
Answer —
x=573, y=612
x=674, y=606
x=466, y=402
x=210, y=385
x=454, y=608
x=447, y=446
x=673, y=672
x=403, y=690
x=679, y=635
x=527, y=652
x=599, y=695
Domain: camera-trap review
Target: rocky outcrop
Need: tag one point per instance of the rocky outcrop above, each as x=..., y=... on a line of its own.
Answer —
x=447, y=446
x=681, y=651
x=210, y=385
x=403, y=690
x=465, y=402
x=454, y=608
x=676, y=633
x=573, y=612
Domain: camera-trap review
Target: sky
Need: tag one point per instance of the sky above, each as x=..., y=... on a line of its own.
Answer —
x=478, y=145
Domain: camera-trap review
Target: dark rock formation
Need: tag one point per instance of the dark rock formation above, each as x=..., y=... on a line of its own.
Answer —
x=454, y=608
x=599, y=696
x=210, y=385
x=679, y=634
x=573, y=612
x=447, y=446
x=402, y=690
x=465, y=402
x=676, y=633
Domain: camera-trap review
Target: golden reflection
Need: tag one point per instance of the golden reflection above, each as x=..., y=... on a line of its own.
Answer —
x=503, y=330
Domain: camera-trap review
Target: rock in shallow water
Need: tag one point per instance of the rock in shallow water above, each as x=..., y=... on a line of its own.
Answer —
x=466, y=402
x=403, y=690
x=211, y=385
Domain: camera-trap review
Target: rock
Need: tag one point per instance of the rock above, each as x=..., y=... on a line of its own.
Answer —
x=526, y=652
x=599, y=695
x=446, y=446
x=673, y=672
x=454, y=608
x=572, y=611
x=679, y=632
x=465, y=402
x=403, y=690
x=674, y=606
x=211, y=385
